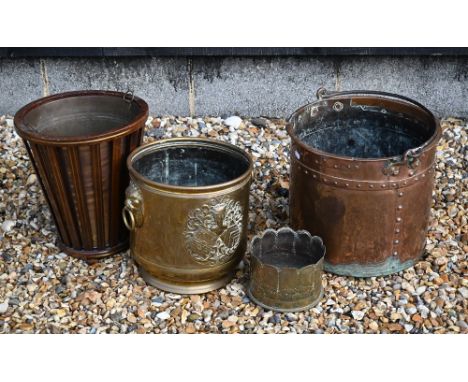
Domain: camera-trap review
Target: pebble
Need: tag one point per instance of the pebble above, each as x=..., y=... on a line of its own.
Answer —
x=163, y=315
x=233, y=122
x=3, y=307
x=358, y=314
x=8, y=225
x=464, y=292
x=31, y=179
x=51, y=292
x=260, y=122
x=420, y=290
x=424, y=311
x=373, y=325
x=193, y=317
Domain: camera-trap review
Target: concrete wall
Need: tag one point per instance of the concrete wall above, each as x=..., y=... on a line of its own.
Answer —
x=268, y=86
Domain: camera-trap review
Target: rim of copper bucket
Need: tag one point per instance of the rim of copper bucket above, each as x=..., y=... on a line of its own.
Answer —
x=27, y=133
x=391, y=101
x=194, y=142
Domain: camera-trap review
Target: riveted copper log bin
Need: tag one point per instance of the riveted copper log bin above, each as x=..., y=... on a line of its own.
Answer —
x=362, y=170
x=78, y=143
x=187, y=210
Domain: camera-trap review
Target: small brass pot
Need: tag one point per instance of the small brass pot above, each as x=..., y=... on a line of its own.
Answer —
x=286, y=270
x=187, y=210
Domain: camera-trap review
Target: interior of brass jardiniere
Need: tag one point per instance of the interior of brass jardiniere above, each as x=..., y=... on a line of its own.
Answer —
x=191, y=163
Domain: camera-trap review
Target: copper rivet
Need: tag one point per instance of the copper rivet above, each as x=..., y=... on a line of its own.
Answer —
x=400, y=194
x=324, y=159
x=411, y=173
x=359, y=186
x=335, y=182
x=347, y=184
x=398, y=219
x=397, y=231
x=314, y=176
x=371, y=185
x=396, y=241
x=400, y=207
x=383, y=186
x=423, y=175
x=306, y=171
x=394, y=184
x=324, y=180
x=356, y=166
x=335, y=166
x=395, y=253
x=405, y=182
x=416, y=178
x=349, y=166
x=316, y=161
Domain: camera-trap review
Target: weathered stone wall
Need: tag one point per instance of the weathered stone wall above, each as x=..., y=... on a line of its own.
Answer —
x=247, y=86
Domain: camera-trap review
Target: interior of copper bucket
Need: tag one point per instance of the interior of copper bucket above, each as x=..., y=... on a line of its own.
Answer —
x=191, y=164
x=82, y=114
x=364, y=126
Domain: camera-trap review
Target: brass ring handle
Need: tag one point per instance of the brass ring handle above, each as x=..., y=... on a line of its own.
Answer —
x=127, y=213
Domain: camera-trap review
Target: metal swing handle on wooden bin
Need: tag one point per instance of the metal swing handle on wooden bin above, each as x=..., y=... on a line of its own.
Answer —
x=132, y=212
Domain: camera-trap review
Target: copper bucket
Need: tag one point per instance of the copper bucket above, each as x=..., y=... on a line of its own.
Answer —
x=187, y=210
x=78, y=143
x=362, y=173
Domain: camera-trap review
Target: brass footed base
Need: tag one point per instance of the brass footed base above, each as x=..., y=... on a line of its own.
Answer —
x=276, y=309
x=195, y=288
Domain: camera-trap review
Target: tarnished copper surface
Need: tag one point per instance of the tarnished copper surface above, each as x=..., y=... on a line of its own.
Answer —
x=187, y=209
x=78, y=143
x=371, y=212
x=286, y=270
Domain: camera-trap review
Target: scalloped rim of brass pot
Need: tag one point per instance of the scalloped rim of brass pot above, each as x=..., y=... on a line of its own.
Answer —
x=316, y=266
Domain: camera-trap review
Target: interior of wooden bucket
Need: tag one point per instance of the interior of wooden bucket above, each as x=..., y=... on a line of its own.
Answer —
x=191, y=165
x=81, y=116
x=364, y=129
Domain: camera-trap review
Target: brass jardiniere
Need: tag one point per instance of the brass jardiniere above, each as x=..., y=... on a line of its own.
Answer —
x=187, y=210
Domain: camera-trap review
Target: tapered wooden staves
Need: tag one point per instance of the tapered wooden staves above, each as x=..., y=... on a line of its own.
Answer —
x=78, y=143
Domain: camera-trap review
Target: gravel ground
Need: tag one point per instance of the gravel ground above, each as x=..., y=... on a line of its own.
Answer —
x=45, y=291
